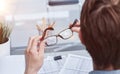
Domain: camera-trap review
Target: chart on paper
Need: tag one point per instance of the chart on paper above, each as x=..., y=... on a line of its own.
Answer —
x=52, y=66
x=77, y=65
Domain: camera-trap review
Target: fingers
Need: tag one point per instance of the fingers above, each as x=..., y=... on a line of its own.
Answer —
x=78, y=23
x=76, y=29
x=35, y=42
x=41, y=47
x=29, y=43
x=35, y=45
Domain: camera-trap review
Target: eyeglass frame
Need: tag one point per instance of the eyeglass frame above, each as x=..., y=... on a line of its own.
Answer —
x=58, y=35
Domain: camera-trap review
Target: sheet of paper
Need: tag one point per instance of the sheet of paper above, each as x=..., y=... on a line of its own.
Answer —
x=51, y=66
x=77, y=65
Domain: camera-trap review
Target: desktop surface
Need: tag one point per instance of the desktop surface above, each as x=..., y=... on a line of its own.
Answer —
x=15, y=64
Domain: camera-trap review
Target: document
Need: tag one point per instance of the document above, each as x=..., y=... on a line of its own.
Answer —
x=71, y=64
x=76, y=64
x=52, y=66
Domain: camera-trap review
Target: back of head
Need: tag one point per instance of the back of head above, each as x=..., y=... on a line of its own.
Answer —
x=100, y=27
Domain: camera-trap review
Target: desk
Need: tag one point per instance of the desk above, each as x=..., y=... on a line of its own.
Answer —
x=15, y=64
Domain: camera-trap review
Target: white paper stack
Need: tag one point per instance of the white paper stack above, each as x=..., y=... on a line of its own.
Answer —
x=71, y=64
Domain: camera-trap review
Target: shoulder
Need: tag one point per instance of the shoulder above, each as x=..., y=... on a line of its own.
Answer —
x=105, y=72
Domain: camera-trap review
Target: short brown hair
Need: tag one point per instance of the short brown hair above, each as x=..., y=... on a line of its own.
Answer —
x=100, y=28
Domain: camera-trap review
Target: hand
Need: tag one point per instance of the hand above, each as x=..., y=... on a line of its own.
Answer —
x=76, y=28
x=34, y=55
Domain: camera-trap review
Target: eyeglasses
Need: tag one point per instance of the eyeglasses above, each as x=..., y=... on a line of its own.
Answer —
x=64, y=34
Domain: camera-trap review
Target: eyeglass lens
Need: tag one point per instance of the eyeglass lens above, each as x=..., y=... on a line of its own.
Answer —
x=52, y=40
x=66, y=34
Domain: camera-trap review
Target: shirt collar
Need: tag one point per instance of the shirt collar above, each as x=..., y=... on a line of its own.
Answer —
x=105, y=72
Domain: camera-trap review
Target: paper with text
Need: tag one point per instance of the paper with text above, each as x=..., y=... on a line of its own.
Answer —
x=76, y=64
x=51, y=66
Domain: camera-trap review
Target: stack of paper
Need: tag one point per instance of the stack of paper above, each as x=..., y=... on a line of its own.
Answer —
x=73, y=64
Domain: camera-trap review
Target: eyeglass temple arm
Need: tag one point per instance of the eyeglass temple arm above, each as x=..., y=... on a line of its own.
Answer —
x=44, y=33
x=75, y=21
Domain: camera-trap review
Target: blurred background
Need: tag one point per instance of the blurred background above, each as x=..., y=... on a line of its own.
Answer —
x=27, y=13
